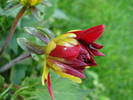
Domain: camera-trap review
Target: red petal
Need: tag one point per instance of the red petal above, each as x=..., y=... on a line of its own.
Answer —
x=91, y=62
x=83, y=51
x=66, y=52
x=69, y=70
x=97, y=46
x=90, y=35
x=97, y=53
x=78, y=64
x=48, y=81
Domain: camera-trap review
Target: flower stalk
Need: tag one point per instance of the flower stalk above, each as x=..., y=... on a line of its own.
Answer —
x=12, y=29
x=15, y=61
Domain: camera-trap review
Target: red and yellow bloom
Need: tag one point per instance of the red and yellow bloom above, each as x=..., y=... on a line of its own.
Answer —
x=69, y=54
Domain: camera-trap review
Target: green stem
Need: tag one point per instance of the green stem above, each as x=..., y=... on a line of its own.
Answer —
x=14, y=61
x=12, y=29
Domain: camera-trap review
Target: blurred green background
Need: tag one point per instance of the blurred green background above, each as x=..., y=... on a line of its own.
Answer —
x=112, y=78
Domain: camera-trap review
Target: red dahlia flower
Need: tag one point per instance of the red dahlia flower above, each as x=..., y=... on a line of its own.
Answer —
x=69, y=54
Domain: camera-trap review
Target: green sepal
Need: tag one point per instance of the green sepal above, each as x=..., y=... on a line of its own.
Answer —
x=30, y=47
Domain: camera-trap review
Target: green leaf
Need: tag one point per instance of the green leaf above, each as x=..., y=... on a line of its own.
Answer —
x=59, y=14
x=17, y=74
x=50, y=10
x=1, y=10
x=11, y=11
x=13, y=44
x=30, y=21
x=36, y=14
x=61, y=88
x=1, y=81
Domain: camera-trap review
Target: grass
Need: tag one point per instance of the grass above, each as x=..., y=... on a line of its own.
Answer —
x=115, y=69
